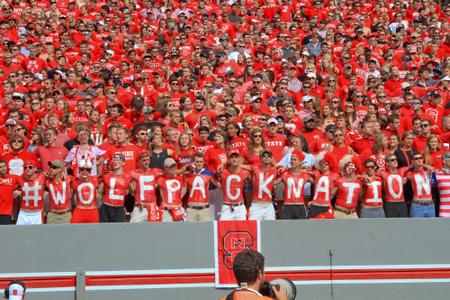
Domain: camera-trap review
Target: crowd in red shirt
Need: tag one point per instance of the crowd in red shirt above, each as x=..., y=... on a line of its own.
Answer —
x=170, y=107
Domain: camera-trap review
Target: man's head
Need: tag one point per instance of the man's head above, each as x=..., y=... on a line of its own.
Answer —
x=144, y=159
x=445, y=161
x=199, y=103
x=367, y=128
x=3, y=167
x=329, y=131
x=273, y=126
x=370, y=166
x=235, y=158
x=170, y=167
x=309, y=122
x=118, y=161
x=199, y=162
x=248, y=267
x=56, y=168
x=426, y=127
x=84, y=168
x=418, y=160
x=391, y=161
x=265, y=157
x=122, y=135
x=29, y=167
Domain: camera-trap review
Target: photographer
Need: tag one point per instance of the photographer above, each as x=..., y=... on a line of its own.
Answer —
x=248, y=268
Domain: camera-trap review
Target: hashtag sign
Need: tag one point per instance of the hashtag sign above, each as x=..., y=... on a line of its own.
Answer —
x=31, y=193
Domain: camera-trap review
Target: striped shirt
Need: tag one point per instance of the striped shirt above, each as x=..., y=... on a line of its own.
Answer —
x=443, y=183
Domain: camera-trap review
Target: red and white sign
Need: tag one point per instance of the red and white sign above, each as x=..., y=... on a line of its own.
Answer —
x=230, y=238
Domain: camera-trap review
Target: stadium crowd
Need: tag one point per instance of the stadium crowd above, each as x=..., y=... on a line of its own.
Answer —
x=155, y=110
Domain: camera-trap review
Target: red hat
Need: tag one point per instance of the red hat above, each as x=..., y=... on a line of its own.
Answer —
x=234, y=152
x=138, y=77
x=299, y=154
x=331, y=159
x=30, y=162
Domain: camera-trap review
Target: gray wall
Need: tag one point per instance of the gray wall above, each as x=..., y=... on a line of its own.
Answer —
x=116, y=247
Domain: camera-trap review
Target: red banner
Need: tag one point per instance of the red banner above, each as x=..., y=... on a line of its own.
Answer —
x=230, y=238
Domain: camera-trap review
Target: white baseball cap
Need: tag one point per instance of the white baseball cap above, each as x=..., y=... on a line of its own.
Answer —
x=405, y=85
x=85, y=164
x=272, y=120
x=16, y=292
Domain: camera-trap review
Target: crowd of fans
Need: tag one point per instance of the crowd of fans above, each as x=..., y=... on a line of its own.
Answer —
x=155, y=110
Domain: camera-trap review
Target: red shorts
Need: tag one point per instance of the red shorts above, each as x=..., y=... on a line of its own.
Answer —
x=85, y=215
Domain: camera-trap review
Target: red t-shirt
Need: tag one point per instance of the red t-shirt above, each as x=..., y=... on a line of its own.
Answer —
x=233, y=185
x=131, y=153
x=393, y=184
x=323, y=186
x=198, y=186
x=276, y=144
x=171, y=189
x=8, y=184
x=294, y=187
x=215, y=157
x=372, y=193
x=347, y=196
x=116, y=188
x=146, y=185
x=33, y=193
x=421, y=184
x=85, y=192
x=59, y=194
x=263, y=181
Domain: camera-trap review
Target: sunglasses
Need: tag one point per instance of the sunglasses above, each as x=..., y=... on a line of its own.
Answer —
x=54, y=167
x=85, y=169
x=257, y=136
x=392, y=159
x=418, y=158
x=28, y=167
x=424, y=125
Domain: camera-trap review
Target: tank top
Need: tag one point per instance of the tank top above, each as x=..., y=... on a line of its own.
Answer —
x=158, y=159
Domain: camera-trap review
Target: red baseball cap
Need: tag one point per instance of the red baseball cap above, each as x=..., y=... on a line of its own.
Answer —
x=30, y=162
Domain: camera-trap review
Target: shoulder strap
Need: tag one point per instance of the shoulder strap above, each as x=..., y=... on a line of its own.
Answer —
x=230, y=296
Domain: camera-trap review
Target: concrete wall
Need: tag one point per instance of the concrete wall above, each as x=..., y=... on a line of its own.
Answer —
x=287, y=245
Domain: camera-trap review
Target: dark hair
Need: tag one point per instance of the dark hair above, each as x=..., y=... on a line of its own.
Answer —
x=236, y=125
x=247, y=265
x=119, y=107
x=203, y=128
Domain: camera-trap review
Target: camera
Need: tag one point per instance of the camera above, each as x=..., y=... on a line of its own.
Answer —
x=278, y=283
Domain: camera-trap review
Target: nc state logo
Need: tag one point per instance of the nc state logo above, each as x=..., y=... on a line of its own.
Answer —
x=233, y=243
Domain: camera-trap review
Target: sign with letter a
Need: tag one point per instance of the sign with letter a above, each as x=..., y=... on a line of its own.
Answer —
x=230, y=238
